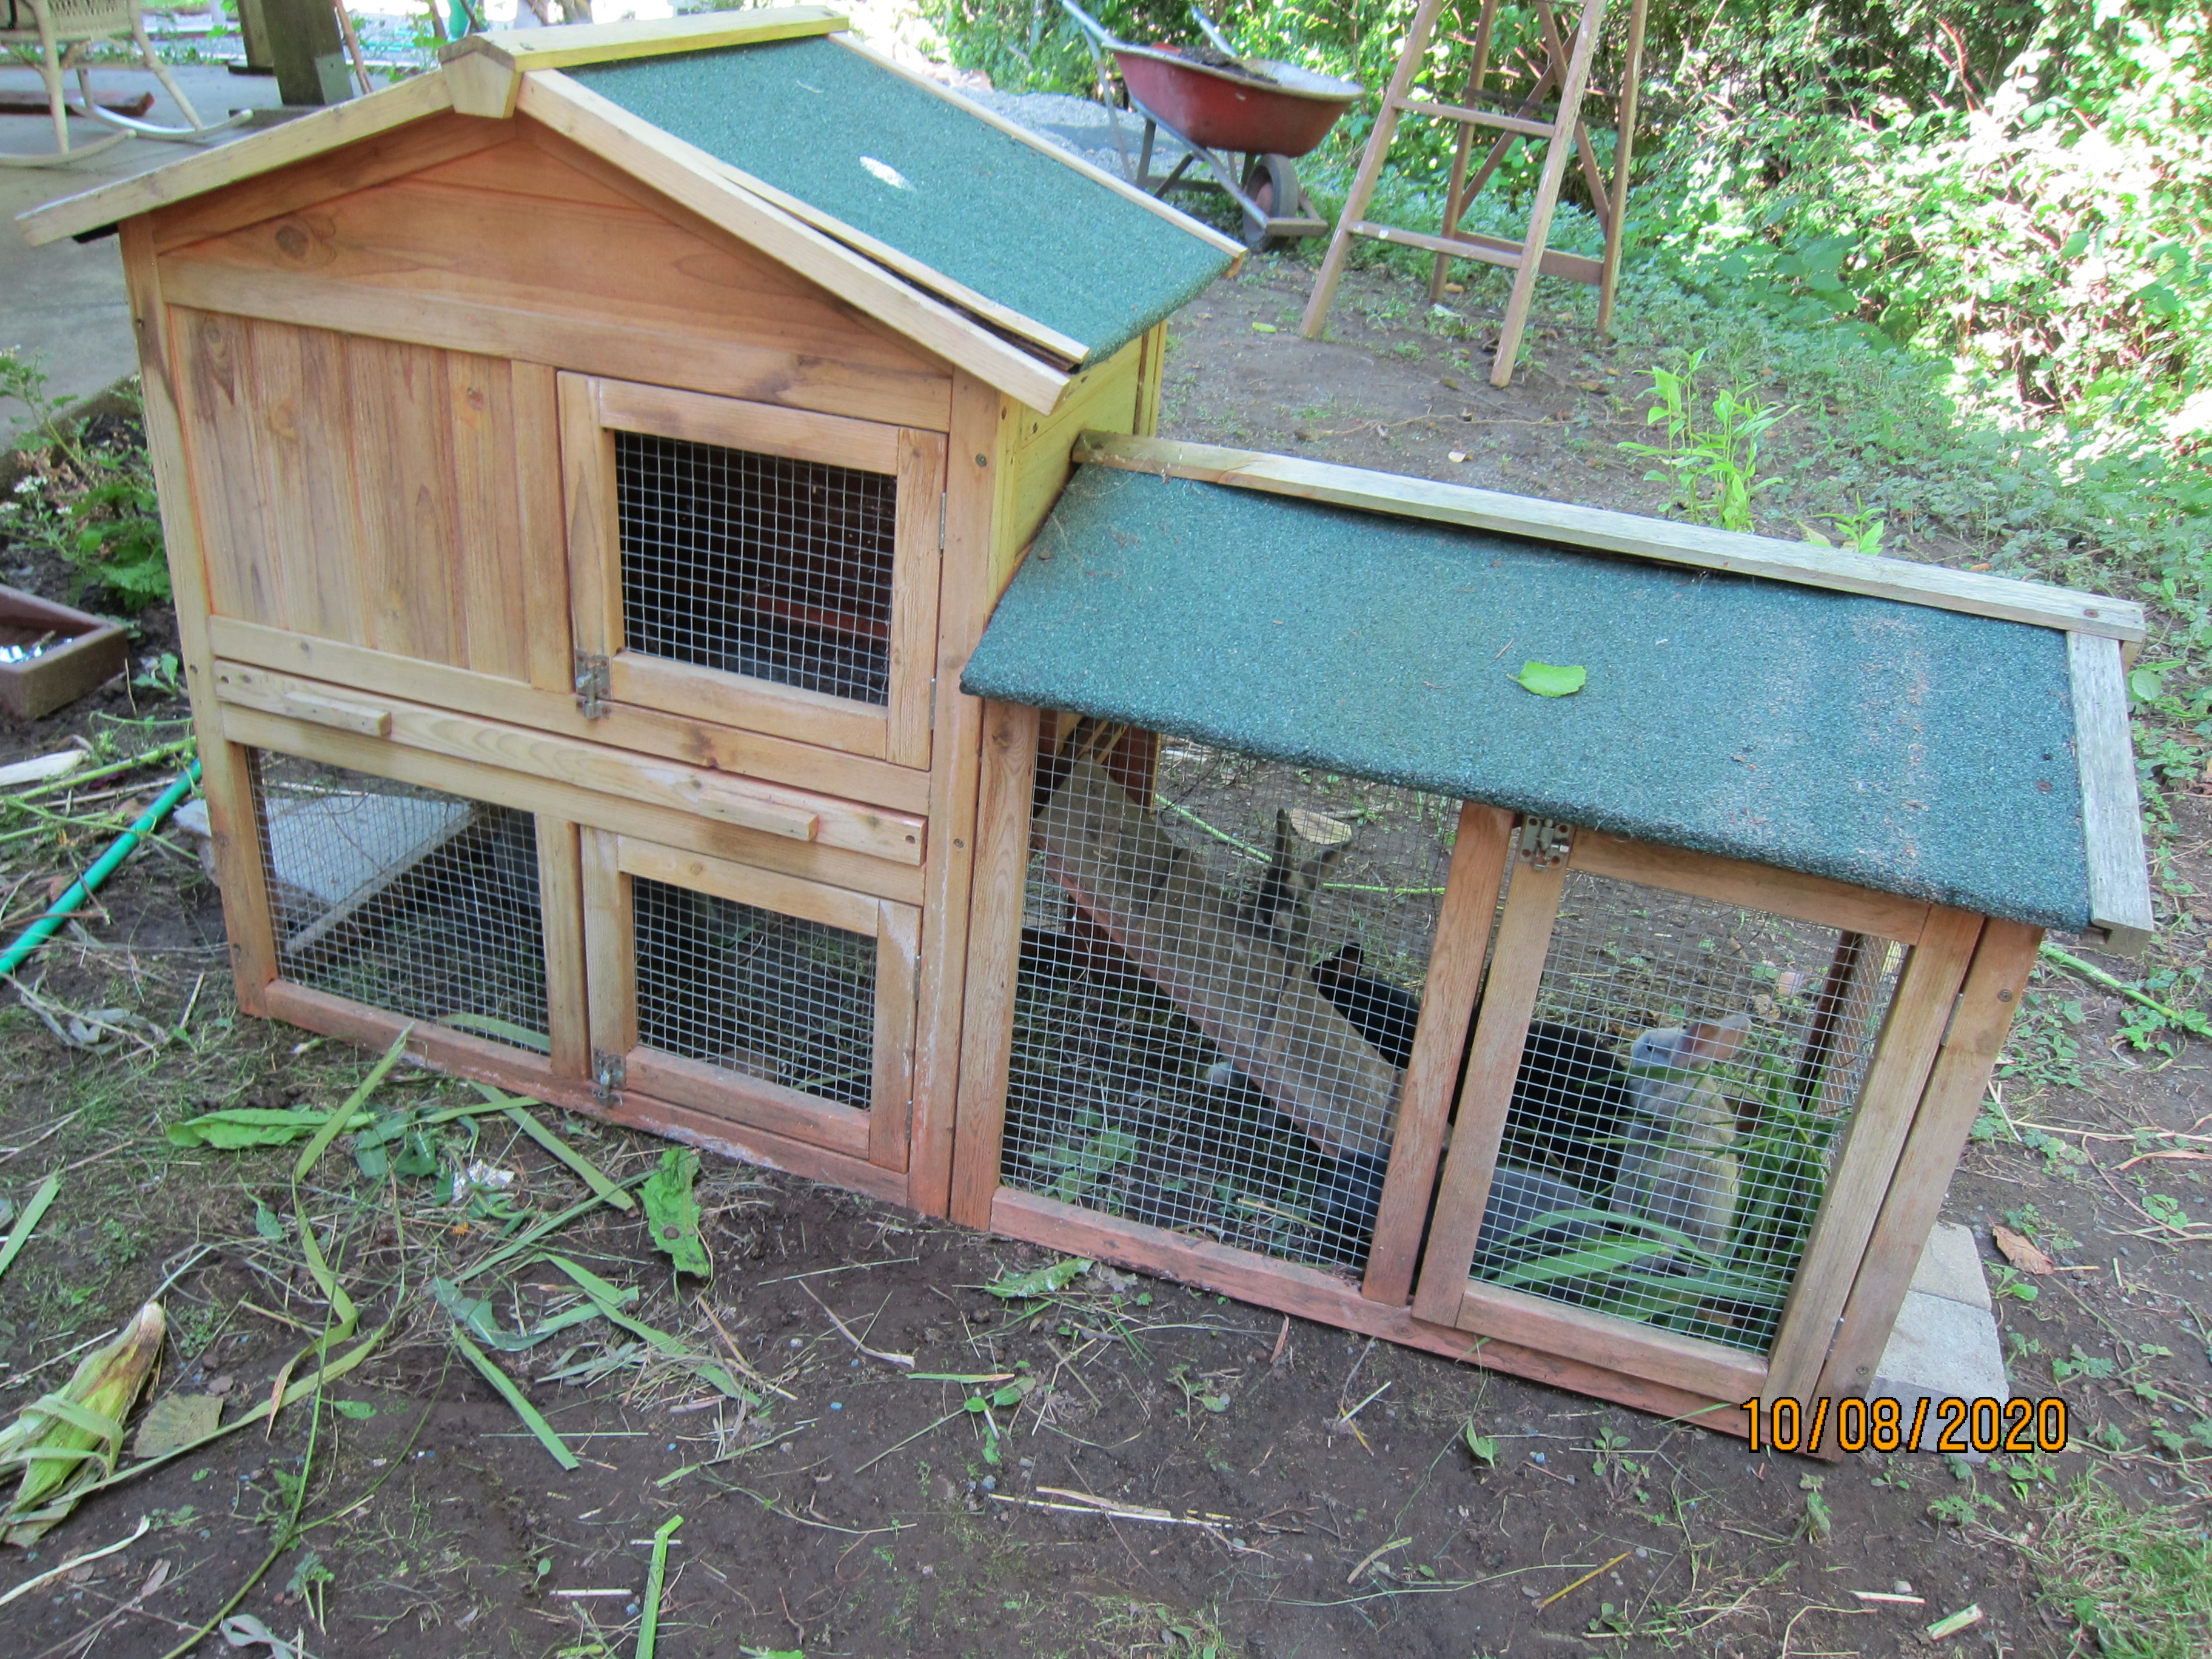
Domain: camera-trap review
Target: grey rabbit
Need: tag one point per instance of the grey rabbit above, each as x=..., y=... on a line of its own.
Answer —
x=1677, y=1160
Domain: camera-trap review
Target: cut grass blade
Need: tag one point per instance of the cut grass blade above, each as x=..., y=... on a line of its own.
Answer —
x=655, y=1576
x=606, y=1298
x=532, y=1420
x=584, y=1169
x=21, y=1234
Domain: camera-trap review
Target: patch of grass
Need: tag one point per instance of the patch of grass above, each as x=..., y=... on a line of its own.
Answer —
x=2138, y=1582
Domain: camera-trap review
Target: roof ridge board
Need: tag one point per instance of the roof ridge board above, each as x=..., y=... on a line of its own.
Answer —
x=1175, y=216
x=568, y=45
x=591, y=120
x=1905, y=581
x=239, y=159
x=1001, y=318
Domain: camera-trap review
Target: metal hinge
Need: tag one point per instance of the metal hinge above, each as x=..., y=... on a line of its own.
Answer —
x=592, y=684
x=932, y=704
x=1544, y=842
x=609, y=1073
x=940, y=521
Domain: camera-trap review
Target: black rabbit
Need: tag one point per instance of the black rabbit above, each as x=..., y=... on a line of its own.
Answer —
x=1563, y=1127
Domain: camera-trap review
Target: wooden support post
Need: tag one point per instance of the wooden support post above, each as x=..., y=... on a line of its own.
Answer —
x=309, y=54
x=1424, y=1102
x=1494, y=1061
x=994, y=948
x=1987, y=1003
x=560, y=905
x=1868, y=1156
x=978, y=505
x=225, y=778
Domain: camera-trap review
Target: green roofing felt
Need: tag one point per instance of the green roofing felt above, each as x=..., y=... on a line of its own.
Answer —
x=916, y=171
x=1896, y=746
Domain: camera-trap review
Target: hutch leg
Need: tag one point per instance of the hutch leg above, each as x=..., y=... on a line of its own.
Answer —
x=1986, y=1006
x=225, y=778
x=995, y=945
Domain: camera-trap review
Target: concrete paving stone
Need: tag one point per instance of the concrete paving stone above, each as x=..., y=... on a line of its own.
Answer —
x=1951, y=1267
x=1941, y=1348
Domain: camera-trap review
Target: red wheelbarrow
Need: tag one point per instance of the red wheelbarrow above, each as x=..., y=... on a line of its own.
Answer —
x=1219, y=105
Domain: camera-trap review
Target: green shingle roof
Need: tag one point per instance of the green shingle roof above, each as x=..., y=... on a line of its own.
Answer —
x=1897, y=746
x=917, y=171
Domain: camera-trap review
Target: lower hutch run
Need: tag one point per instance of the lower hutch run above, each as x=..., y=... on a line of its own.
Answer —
x=685, y=609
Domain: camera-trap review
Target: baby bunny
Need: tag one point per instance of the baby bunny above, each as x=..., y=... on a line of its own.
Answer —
x=1677, y=1159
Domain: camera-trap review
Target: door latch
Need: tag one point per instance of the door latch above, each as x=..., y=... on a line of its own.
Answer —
x=1544, y=842
x=593, y=685
x=609, y=1073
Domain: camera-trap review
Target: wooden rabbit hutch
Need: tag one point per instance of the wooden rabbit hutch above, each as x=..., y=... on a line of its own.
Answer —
x=589, y=471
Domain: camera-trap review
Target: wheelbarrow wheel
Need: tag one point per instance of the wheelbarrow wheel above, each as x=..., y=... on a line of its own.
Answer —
x=1272, y=182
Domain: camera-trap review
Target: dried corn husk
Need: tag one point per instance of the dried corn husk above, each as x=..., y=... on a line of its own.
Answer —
x=60, y=1437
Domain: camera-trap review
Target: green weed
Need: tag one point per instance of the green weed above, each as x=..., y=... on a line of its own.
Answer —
x=1712, y=461
x=92, y=503
x=2138, y=1582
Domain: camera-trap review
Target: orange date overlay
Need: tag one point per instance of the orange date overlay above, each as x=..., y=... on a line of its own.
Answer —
x=1887, y=1426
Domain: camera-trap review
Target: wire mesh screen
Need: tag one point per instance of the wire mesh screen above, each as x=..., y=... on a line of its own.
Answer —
x=755, y=993
x=405, y=899
x=757, y=565
x=1220, y=974
x=1682, y=1092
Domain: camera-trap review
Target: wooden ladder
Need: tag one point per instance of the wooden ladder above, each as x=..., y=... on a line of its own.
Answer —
x=1562, y=128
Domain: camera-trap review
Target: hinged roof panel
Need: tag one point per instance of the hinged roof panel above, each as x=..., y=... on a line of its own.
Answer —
x=1899, y=745
x=921, y=173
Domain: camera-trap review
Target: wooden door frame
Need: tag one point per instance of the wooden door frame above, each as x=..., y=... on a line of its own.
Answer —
x=879, y=1136
x=593, y=408
x=1941, y=943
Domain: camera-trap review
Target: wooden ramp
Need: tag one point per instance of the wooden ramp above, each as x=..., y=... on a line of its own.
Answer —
x=1152, y=899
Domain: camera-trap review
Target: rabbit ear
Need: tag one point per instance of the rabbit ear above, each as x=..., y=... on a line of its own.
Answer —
x=1705, y=1044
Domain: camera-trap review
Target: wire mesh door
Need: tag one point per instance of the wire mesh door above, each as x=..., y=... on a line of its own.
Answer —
x=785, y=1004
x=405, y=899
x=1687, y=1068
x=752, y=565
x=1220, y=977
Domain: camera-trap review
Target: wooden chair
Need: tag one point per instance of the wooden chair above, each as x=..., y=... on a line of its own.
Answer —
x=52, y=35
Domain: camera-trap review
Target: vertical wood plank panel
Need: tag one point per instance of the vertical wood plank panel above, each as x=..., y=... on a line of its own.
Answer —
x=1987, y=1003
x=535, y=391
x=977, y=485
x=1152, y=370
x=1524, y=934
x=224, y=780
x=561, y=904
x=403, y=460
x=299, y=375
x=1918, y=1016
x=491, y=590
x=217, y=381
x=610, y=944
x=994, y=948
x=898, y=961
x=591, y=533
x=1425, y=1099
x=914, y=592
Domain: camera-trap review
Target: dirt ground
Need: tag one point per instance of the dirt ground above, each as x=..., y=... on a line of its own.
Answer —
x=1277, y=1488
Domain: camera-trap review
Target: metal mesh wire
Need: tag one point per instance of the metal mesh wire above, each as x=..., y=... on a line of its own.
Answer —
x=404, y=899
x=755, y=993
x=1683, y=1090
x=757, y=565
x=1214, y=1005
